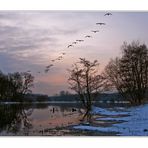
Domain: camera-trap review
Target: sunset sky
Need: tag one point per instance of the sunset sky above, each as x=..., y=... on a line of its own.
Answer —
x=31, y=39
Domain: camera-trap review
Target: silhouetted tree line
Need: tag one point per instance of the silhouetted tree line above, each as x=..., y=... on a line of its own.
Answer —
x=64, y=93
x=42, y=98
x=14, y=86
x=127, y=74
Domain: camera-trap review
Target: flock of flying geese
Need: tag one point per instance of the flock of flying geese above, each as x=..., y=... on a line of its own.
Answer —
x=61, y=56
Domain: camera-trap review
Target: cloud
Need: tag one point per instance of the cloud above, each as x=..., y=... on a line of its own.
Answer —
x=30, y=39
x=23, y=33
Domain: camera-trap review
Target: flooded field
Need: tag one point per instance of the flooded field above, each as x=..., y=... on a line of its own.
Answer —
x=64, y=119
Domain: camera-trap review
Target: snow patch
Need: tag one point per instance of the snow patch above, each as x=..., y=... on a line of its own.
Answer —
x=109, y=111
x=136, y=124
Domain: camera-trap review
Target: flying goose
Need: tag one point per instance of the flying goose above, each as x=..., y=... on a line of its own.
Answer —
x=88, y=36
x=74, y=42
x=95, y=31
x=107, y=14
x=79, y=40
x=69, y=46
x=49, y=66
x=46, y=70
x=100, y=24
x=63, y=53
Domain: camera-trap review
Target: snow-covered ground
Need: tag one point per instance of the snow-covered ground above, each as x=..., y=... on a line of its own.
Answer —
x=135, y=120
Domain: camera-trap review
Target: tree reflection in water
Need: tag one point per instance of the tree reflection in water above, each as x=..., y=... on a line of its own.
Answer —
x=14, y=117
x=34, y=118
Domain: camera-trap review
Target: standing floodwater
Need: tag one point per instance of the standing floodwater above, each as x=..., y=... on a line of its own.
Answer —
x=36, y=119
x=65, y=119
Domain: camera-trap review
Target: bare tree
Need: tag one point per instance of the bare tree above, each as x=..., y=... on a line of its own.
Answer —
x=14, y=86
x=85, y=81
x=27, y=79
x=129, y=74
x=21, y=83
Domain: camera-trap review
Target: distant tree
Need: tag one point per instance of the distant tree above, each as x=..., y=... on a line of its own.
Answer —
x=42, y=98
x=129, y=74
x=85, y=81
x=64, y=93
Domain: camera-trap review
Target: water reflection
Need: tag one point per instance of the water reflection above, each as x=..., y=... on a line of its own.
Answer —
x=55, y=119
x=35, y=119
x=13, y=118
